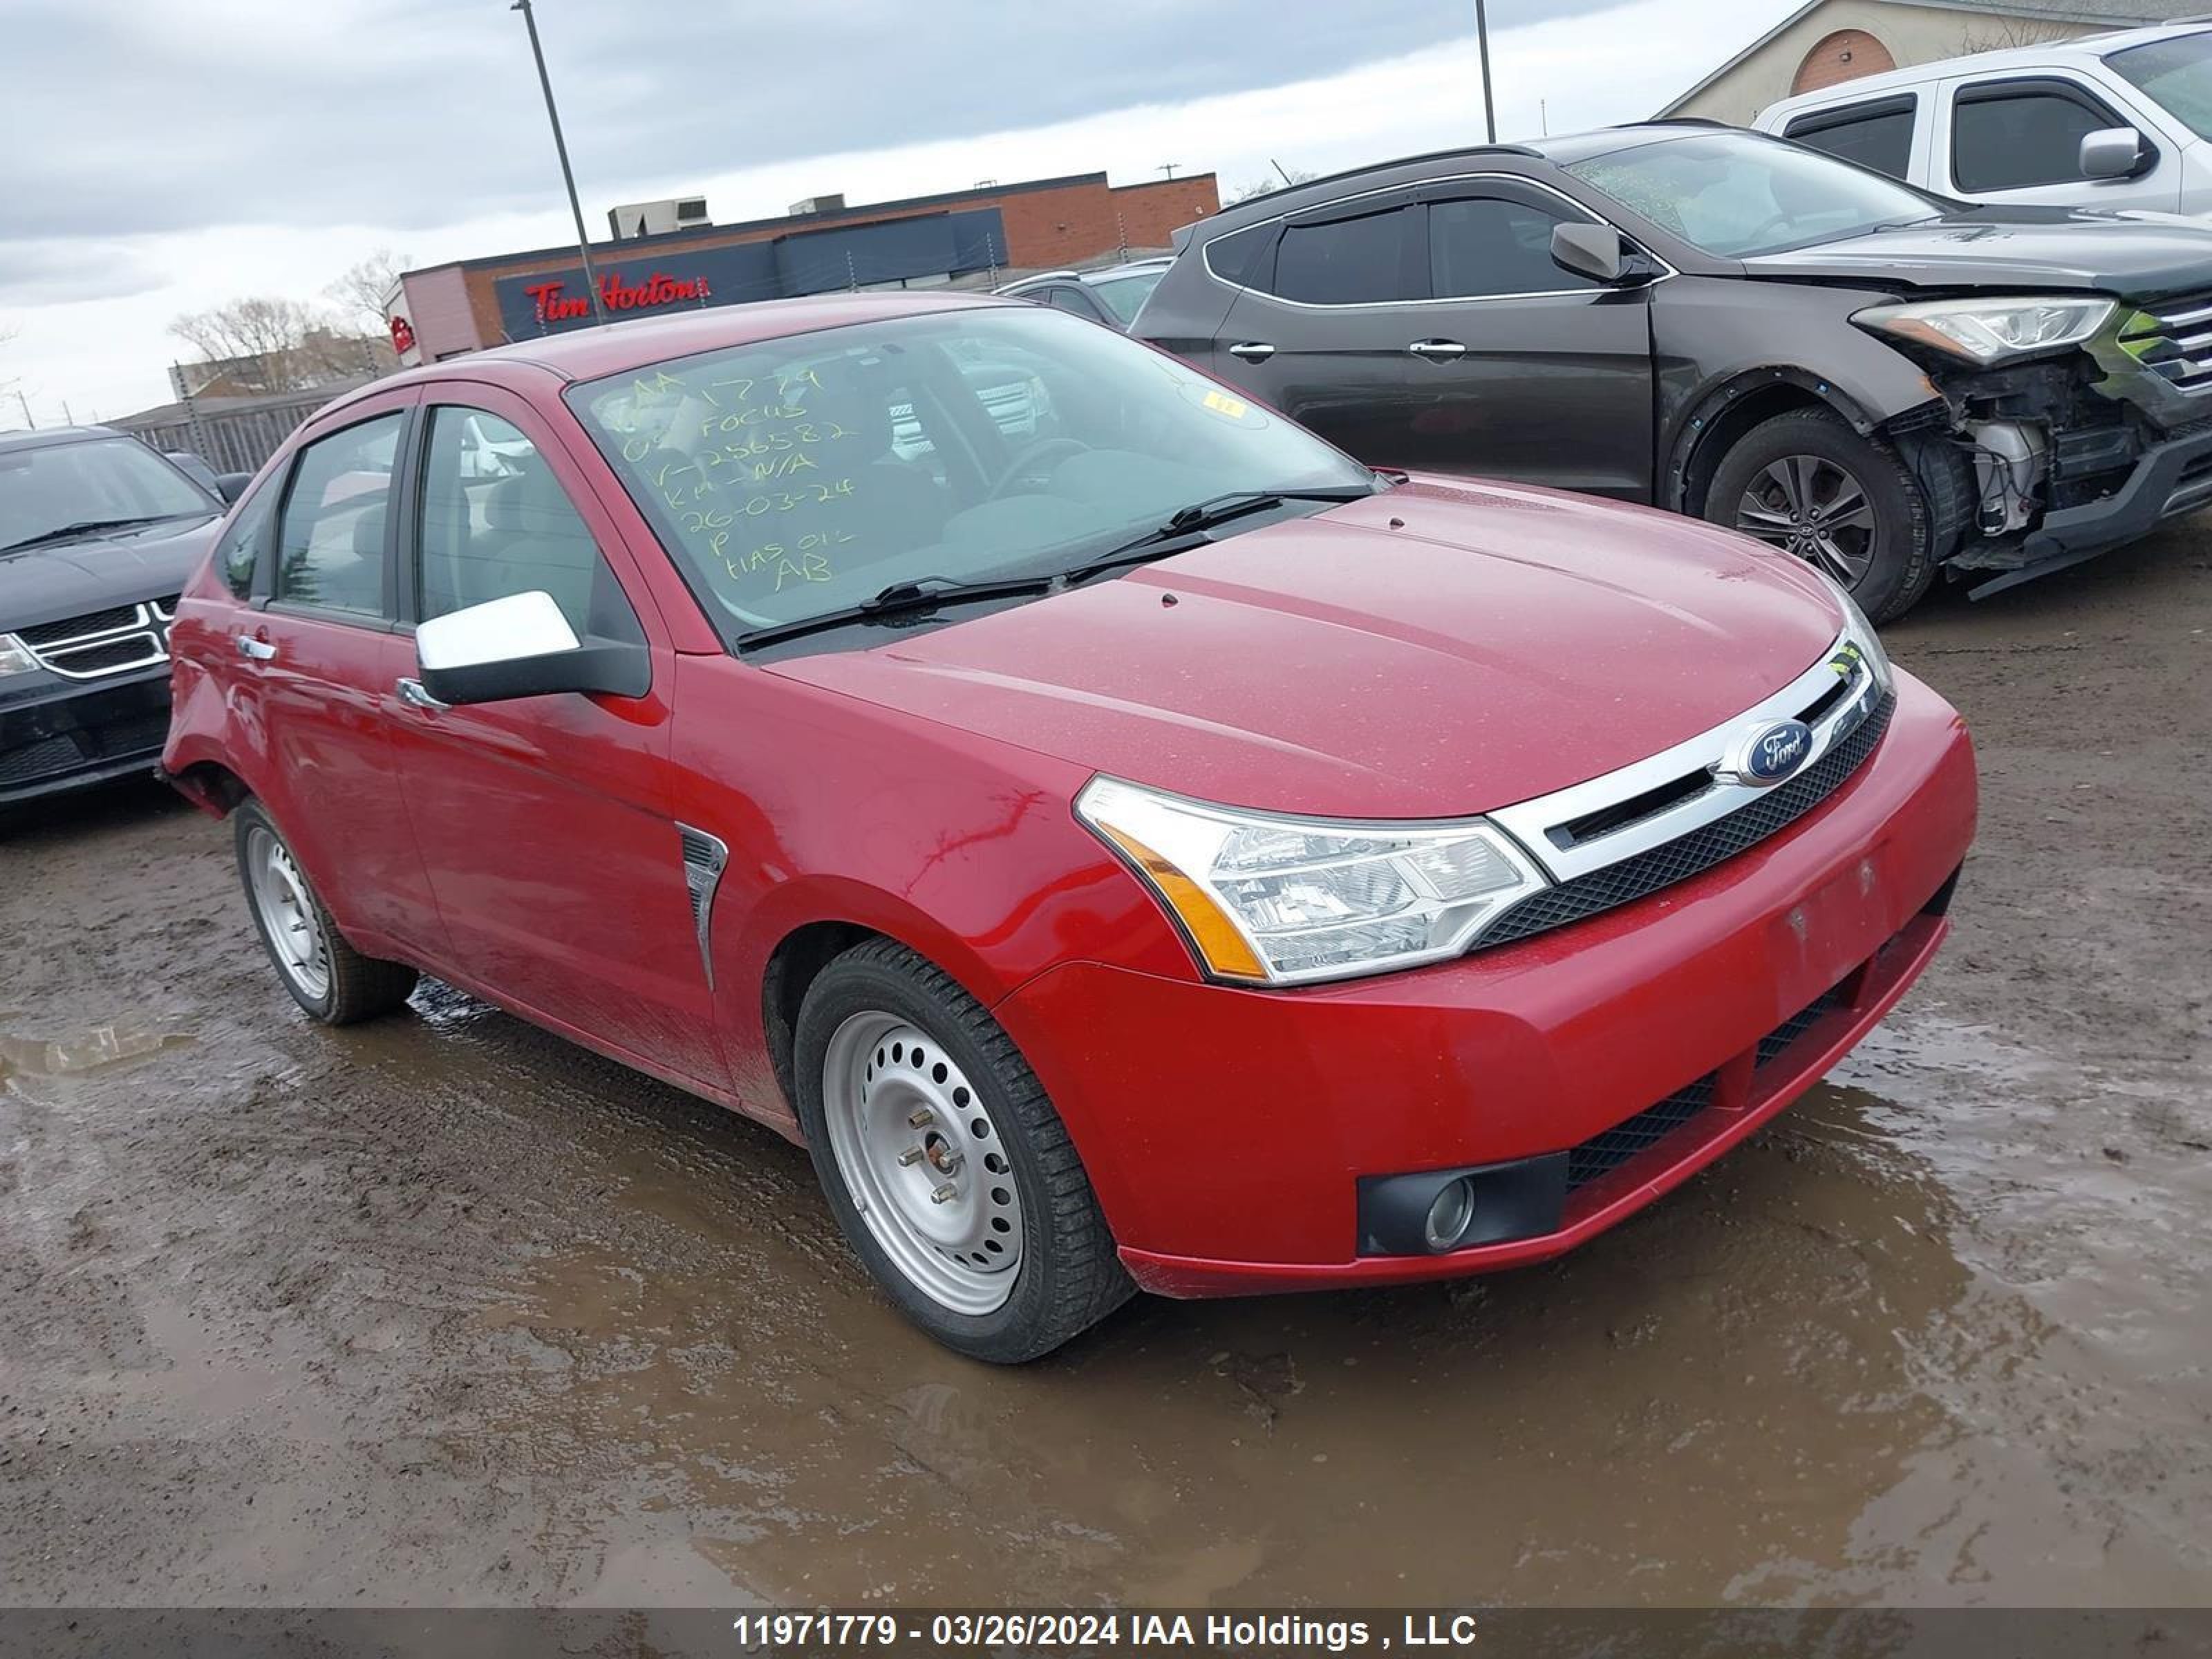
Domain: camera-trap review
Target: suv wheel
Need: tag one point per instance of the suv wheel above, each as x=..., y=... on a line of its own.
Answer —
x=327, y=977
x=1807, y=484
x=945, y=1165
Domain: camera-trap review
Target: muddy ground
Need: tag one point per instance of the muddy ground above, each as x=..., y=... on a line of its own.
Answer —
x=445, y=1310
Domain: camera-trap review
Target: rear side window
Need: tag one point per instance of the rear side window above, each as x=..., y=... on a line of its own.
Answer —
x=2007, y=139
x=1877, y=136
x=1345, y=262
x=1060, y=297
x=1483, y=246
x=1245, y=257
x=496, y=523
x=330, y=542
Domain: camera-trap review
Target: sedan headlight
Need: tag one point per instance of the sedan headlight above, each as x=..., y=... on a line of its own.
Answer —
x=1860, y=641
x=15, y=658
x=1284, y=900
x=1991, y=331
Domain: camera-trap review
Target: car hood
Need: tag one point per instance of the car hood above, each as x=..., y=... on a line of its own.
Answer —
x=2016, y=247
x=1437, y=650
x=49, y=584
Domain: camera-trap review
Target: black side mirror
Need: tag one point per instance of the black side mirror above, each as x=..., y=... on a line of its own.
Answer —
x=1597, y=251
x=231, y=485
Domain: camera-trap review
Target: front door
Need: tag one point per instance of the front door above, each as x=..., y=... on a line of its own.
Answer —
x=1524, y=370
x=543, y=822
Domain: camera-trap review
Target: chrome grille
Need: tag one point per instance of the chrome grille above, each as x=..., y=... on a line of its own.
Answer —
x=119, y=639
x=2178, y=344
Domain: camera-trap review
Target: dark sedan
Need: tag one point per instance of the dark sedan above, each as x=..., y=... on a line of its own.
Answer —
x=1883, y=382
x=98, y=534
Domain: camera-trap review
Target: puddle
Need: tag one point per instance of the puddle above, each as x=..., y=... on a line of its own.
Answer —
x=95, y=1050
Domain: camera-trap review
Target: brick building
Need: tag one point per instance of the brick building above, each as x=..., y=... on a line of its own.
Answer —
x=966, y=236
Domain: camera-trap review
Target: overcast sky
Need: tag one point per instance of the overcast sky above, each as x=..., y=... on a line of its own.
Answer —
x=155, y=158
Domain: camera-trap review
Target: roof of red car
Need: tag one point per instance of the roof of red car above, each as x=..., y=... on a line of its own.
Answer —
x=586, y=354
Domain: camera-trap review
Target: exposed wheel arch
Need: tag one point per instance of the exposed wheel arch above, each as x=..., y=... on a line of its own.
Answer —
x=211, y=786
x=1724, y=413
x=800, y=956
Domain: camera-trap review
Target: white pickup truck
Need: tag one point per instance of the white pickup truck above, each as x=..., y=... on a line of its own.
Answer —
x=2108, y=120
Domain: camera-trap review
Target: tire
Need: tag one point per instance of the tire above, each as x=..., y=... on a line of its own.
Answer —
x=1781, y=482
x=334, y=982
x=1020, y=1259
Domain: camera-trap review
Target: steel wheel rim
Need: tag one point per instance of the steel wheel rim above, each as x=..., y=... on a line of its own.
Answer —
x=1815, y=510
x=287, y=912
x=922, y=1162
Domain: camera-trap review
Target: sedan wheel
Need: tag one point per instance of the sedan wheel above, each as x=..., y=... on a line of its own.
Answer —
x=289, y=917
x=925, y=1165
x=1811, y=507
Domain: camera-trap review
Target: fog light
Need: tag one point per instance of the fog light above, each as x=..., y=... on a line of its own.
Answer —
x=1450, y=1213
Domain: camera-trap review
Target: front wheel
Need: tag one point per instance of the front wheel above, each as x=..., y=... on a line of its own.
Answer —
x=1808, y=485
x=945, y=1163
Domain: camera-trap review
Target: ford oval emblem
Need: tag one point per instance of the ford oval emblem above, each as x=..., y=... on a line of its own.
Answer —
x=1769, y=752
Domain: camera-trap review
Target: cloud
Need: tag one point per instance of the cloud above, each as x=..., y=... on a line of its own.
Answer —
x=64, y=273
x=411, y=112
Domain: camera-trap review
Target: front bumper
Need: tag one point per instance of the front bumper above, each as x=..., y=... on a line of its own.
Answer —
x=2168, y=479
x=1227, y=1131
x=67, y=734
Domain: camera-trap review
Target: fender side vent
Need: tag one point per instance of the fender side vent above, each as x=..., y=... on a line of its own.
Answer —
x=705, y=857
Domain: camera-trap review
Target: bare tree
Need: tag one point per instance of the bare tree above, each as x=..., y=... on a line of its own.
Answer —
x=359, y=289
x=2001, y=33
x=280, y=344
x=1245, y=192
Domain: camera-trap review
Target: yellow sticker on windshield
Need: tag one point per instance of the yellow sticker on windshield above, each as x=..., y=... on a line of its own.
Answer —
x=1221, y=403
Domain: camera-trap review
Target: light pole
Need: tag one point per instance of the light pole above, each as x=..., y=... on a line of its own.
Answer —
x=1481, y=43
x=561, y=148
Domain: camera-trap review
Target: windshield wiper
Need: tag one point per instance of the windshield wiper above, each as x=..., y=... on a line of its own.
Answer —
x=1186, y=528
x=85, y=527
x=900, y=597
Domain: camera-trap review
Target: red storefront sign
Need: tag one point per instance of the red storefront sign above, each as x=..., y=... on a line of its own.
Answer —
x=554, y=304
x=402, y=336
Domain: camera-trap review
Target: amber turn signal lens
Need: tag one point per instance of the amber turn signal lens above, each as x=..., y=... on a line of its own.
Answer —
x=1223, y=948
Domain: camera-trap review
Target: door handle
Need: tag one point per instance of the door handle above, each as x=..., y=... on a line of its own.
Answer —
x=1436, y=352
x=1252, y=351
x=255, y=650
x=415, y=696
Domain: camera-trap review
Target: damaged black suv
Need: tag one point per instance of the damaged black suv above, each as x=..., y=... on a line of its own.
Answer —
x=1884, y=382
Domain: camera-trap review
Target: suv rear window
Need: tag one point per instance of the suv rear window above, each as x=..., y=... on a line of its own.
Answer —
x=1878, y=135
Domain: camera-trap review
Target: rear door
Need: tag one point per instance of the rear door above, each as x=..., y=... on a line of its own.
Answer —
x=544, y=822
x=1520, y=370
x=315, y=651
x=1887, y=134
x=1320, y=326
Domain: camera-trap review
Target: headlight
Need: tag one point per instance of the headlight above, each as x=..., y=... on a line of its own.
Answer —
x=1284, y=900
x=15, y=657
x=1991, y=331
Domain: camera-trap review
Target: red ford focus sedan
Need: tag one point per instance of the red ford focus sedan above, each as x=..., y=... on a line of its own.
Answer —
x=1130, y=844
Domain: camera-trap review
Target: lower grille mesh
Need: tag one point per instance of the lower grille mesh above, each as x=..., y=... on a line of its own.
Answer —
x=1698, y=851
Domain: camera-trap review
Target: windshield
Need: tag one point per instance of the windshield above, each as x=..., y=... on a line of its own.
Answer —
x=1126, y=295
x=44, y=488
x=798, y=476
x=2176, y=73
x=1733, y=195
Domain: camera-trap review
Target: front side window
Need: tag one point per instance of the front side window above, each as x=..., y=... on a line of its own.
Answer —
x=798, y=476
x=56, y=492
x=2175, y=74
x=1875, y=136
x=1485, y=247
x=1072, y=300
x=1736, y=195
x=496, y=523
x=1345, y=262
x=1124, y=296
x=330, y=540
x=2011, y=140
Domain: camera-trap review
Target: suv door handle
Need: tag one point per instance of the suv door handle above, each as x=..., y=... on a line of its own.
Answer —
x=415, y=696
x=1252, y=351
x=255, y=650
x=1437, y=350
